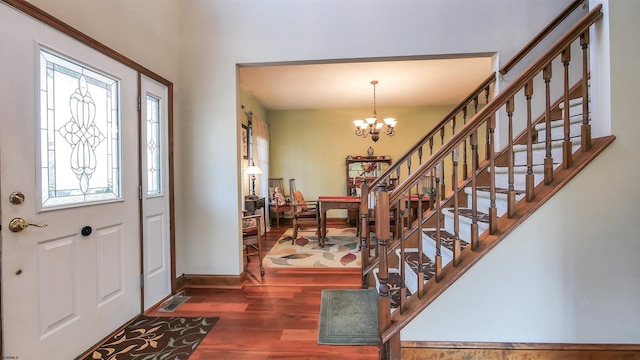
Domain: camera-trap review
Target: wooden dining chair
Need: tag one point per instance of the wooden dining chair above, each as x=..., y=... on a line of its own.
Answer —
x=279, y=201
x=252, y=238
x=304, y=212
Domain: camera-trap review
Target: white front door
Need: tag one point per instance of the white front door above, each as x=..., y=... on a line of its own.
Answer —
x=69, y=144
x=155, y=191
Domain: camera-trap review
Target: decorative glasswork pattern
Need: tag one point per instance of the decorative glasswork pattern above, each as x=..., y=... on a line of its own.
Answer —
x=79, y=133
x=153, y=146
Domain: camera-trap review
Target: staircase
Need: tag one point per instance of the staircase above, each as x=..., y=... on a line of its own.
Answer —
x=447, y=232
x=469, y=195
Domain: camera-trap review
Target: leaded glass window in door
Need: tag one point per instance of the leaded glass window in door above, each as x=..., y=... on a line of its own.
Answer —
x=79, y=133
x=153, y=146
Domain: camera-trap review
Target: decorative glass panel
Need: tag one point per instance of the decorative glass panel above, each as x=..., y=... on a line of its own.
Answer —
x=79, y=133
x=153, y=145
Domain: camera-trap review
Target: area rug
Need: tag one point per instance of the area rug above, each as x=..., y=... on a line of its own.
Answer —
x=170, y=338
x=341, y=250
x=348, y=317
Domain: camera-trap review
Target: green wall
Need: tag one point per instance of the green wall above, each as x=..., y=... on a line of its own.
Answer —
x=311, y=145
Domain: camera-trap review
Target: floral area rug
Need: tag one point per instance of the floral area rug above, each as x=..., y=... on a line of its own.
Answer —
x=341, y=250
x=171, y=338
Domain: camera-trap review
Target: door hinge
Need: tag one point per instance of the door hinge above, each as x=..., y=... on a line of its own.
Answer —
x=141, y=280
x=139, y=104
x=139, y=192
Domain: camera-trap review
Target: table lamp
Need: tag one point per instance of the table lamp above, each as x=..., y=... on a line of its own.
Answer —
x=253, y=171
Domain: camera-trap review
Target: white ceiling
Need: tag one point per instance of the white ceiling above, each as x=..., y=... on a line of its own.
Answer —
x=348, y=85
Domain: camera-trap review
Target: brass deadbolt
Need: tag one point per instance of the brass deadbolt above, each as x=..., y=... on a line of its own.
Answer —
x=16, y=198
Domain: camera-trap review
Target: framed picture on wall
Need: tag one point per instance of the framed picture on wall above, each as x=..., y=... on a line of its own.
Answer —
x=244, y=137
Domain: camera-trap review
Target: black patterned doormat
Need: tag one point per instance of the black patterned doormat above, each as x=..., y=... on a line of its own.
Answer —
x=173, y=338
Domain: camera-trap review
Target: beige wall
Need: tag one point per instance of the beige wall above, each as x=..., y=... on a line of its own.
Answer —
x=312, y=145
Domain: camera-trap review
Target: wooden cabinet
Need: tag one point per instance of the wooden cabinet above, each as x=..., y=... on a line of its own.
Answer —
x=359, y=169
x=364, y=168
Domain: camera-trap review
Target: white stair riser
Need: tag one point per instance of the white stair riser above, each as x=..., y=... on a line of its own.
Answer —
x=520, y=153
x=557, y=132
x=575, y=106
x=484, y=201
x=519, y=180
x=410, y=277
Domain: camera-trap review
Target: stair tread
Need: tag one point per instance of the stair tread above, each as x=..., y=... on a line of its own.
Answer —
x=446, y=239
x=572, y=102
x=573, y=119
x=499, y=190
x=541, y=145
x=537, y=168
x=468, y=213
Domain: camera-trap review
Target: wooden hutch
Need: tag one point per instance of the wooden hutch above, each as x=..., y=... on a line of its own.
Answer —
x=363, y=168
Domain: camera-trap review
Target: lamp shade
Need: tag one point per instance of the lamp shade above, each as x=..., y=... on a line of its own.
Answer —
x=253, y=170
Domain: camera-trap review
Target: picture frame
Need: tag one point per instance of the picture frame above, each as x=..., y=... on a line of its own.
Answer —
x=244, y=138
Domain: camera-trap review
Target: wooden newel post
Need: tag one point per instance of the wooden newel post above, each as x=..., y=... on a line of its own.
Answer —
x=365, y=252
x=382, y=235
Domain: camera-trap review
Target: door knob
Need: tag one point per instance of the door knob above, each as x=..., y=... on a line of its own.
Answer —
x=19, y=224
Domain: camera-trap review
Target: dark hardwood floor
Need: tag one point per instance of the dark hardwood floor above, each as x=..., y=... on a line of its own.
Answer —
x=272, y=317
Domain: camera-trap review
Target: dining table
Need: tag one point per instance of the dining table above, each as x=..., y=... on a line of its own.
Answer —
x=326, y=203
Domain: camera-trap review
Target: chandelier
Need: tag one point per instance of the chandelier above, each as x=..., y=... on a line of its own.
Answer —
x=371, y=125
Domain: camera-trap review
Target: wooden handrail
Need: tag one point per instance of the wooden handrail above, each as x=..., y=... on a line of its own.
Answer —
x=487, y=82
x=499, y=100
x=540, y=36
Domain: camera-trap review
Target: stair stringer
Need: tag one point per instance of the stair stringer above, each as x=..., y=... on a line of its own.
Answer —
x=432, y=290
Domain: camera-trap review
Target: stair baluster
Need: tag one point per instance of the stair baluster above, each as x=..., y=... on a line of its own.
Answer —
x=456, y=208
x=548, y=160
x=566, y=144
x=438, y=259
x=465, y=168
x=529, y=180
x=442, y=183
x=409, y=220
x=493, y=212
x=474, y=191
x=586, y=126
x=511, y=195
x=432, y=193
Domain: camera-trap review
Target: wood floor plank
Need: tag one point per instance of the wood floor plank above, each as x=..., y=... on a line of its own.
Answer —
x=274, y=316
